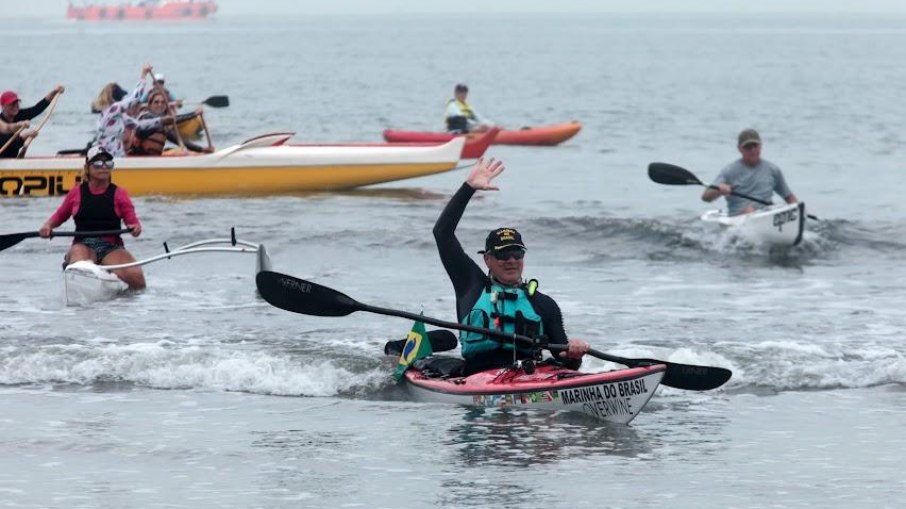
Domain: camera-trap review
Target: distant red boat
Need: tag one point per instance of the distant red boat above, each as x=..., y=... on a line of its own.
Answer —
x=155, y=10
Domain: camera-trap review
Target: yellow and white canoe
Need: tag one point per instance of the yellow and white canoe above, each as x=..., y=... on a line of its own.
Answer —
x=85, y=282
x=259, y=166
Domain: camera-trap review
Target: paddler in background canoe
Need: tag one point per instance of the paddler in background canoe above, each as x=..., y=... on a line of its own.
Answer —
x=500, y=299
x=118, y=121
x=461, y=117
x=750, y=175
x=111, y=93
x=12, y=113
x=98, y=204
x=151, y=142
x=190, y=128
x=161, y=84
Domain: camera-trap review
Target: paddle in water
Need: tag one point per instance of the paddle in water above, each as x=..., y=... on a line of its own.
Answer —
x=672, y=175
x=11, y=239
x=299, y=296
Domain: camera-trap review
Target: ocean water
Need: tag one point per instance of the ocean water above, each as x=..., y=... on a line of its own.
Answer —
x=196, y=393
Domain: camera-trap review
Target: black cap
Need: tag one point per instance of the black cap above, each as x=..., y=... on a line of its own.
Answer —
x=461, y=87
x=502, y=238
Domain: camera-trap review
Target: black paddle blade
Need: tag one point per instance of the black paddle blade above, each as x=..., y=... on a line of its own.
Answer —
x=300, y=296
x=11, y=239
x=217, y=101
x=681, y=376
x=694, y=378
x=672, y=175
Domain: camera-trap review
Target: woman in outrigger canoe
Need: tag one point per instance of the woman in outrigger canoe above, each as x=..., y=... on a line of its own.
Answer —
x=98, y=204
x=499, y=299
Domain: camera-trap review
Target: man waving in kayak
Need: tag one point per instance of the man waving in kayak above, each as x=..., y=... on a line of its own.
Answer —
x=499, y=299
x=750, y=175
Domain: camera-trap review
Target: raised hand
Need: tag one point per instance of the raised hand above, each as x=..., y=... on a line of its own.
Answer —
x=483, y=173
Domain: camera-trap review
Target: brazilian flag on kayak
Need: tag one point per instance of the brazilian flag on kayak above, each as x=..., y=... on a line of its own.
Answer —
x=417, y=346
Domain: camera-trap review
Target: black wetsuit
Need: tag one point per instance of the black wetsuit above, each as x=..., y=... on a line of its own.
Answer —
x=469, y=282
x=24, y=114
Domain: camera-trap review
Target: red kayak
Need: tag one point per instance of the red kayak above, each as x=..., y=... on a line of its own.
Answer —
x=475, y=147
x=549, y=135
x=613, y=396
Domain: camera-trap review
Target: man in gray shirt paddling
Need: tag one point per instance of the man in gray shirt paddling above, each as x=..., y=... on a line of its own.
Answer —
x=749, y=175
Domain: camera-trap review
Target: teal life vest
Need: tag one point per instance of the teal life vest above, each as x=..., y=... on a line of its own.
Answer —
x=507, y=309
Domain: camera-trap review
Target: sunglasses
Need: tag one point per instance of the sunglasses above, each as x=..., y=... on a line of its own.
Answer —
x=103, y=163
x=509, y=253
x=750, y=146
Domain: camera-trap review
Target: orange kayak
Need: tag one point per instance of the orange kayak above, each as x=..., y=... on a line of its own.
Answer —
x=475, y=147
x=541, y=135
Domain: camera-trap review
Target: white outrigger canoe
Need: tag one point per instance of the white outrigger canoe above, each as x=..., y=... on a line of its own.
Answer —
x=85, y=282
x=777, y=225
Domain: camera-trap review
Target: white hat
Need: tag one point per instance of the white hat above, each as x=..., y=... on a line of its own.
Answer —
x=158, y=77
x=97, y=152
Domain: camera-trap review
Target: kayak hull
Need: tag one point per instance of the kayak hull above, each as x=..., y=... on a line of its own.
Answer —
x=476, y=143
x=778, y=225
x=259, y=166
x=614, y=396
x=548, y=135
x=85, y=282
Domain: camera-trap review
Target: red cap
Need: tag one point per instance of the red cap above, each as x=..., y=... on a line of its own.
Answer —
x=8, y=97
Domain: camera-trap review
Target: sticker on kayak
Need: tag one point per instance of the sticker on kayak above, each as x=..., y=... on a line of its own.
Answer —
x=38, y=185
x=787, y=216
x=525, y=398
x=606, y=399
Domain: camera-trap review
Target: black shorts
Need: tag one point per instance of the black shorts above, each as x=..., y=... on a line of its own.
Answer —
x=99, y=246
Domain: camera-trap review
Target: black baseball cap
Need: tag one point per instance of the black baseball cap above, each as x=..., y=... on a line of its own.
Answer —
x=502, y=238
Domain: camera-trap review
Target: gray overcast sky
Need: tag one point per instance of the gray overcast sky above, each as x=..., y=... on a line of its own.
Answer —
x=51, y=8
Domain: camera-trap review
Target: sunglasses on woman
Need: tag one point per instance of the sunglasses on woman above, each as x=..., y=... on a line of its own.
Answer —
x=103, y=163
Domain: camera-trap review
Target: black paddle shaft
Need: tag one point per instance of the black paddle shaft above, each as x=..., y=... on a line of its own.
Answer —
x=11, y=239
x=299, y=296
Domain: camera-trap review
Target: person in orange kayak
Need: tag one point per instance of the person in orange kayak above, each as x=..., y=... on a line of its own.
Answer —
x=499, y=298
x=98, y=204
x=461, y=117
